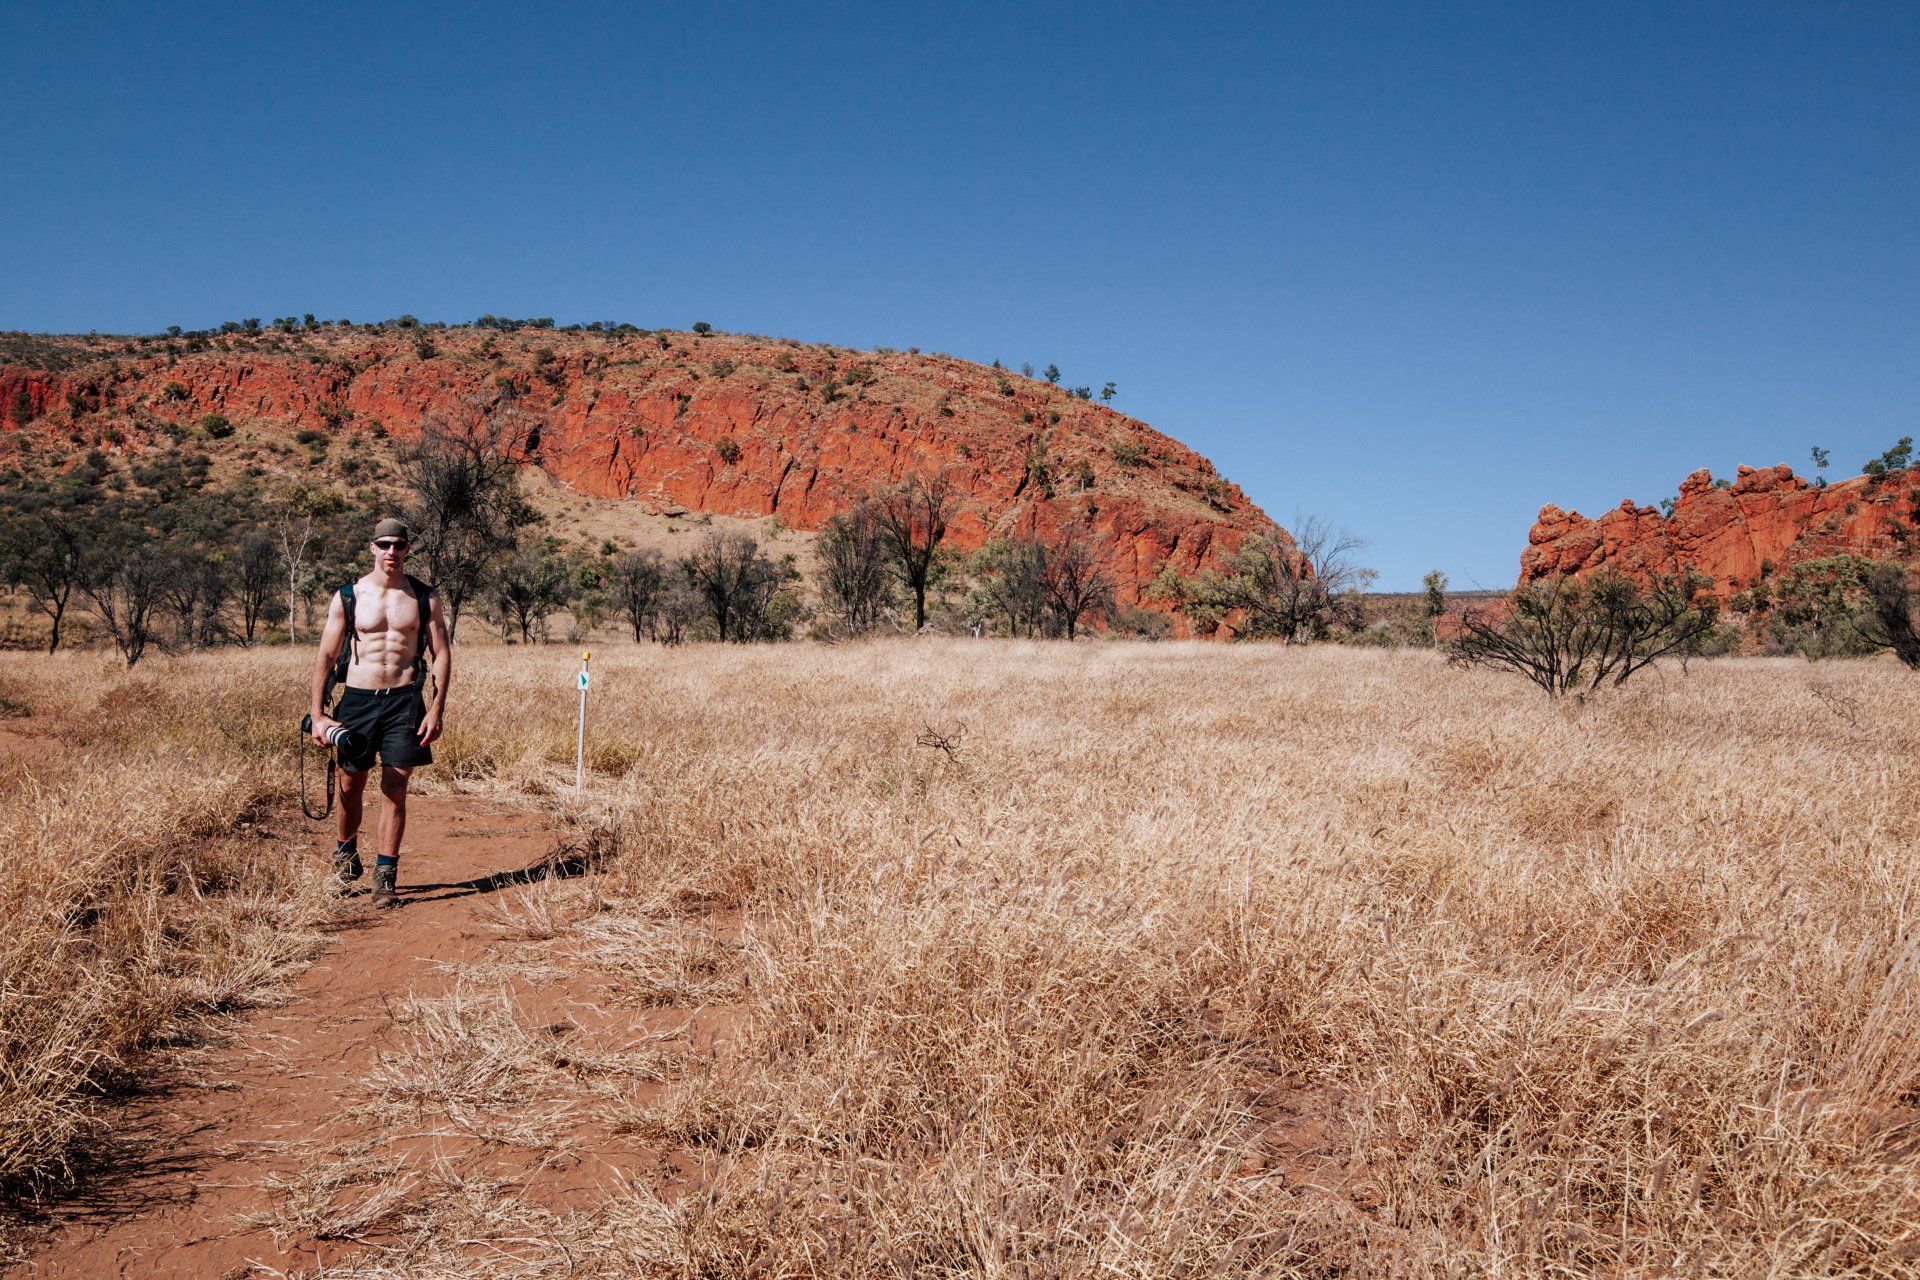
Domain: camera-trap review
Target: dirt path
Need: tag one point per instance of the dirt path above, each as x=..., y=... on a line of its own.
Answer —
x=248, y=1160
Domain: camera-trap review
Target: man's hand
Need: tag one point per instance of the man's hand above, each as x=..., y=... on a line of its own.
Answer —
x=429, y=726
x=321, y=726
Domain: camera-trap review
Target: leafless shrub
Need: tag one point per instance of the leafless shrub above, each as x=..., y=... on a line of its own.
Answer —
x=1571, y=635
x=1042, y=585
x=946, y=742
x=1844, y=705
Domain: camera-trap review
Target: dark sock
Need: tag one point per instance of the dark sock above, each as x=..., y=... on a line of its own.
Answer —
x=384, y=861
x=343, y=847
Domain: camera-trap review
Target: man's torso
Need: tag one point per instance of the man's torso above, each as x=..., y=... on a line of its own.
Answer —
x=389, y=622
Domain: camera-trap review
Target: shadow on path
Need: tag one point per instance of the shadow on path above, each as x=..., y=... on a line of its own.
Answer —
x=561, y=866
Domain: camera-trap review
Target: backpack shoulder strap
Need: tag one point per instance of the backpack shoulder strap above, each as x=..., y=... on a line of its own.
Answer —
x=348, y=649
x=353, y=623
x=423, y=595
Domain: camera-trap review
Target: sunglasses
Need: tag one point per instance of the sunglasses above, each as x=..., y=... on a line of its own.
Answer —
x=390, y=544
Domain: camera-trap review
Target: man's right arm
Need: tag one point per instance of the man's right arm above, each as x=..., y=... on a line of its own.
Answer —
x=331, y=638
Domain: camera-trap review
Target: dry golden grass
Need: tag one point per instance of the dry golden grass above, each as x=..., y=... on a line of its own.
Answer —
x=1196, y=960
x=1189, y=959
x=141, y=899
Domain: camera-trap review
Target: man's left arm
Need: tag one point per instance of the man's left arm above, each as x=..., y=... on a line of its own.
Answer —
x=431, y=723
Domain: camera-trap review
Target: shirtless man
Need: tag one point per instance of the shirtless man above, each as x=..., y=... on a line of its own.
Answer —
x=383, y=705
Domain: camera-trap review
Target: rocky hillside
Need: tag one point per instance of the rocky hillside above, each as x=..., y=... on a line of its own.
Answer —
x=1766, y=520
x=666, y=421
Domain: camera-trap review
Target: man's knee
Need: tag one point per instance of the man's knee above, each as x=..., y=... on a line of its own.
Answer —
x=393, y=784
x=352, y=784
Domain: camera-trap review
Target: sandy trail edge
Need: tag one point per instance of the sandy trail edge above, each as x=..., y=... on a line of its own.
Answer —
x=200, y=1148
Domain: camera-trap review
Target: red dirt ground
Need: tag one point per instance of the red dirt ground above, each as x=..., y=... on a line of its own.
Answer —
x=196, y=1154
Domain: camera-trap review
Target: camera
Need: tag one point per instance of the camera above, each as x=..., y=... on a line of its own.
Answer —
x=339, y=736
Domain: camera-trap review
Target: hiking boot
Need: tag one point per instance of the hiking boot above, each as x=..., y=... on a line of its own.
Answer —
x=385, y=888
x=346, y=863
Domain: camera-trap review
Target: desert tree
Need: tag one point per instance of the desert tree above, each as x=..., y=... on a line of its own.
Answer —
x=589, y=589
x=297, y=514
x=466, y=508
x=638, y=583
x=1433, y=601
x=1844, y=605
x=1572, y=635
x=773, y=602
x=855, y=580
x=740, y=587
x=1296, y=589
x=1824, y=607
x=195, y=586
x=1892, y=462
x=913, y=521
x=1889, y=621
x=256, y=569
x=42, y=550
x=1077, y=583
x=528, y=585
x=679, y=610
x=126, y=579
x=1010, y=584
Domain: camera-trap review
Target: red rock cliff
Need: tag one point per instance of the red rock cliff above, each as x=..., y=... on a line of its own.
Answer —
x=1768, y=518
x=733, y=425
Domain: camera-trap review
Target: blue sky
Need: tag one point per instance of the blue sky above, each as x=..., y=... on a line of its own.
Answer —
x=1418, y=268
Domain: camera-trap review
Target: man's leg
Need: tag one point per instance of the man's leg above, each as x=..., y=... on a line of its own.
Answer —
x=386, y=868
x=349, y=807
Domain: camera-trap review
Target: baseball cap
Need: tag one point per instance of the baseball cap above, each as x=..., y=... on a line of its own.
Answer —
x=392, y=528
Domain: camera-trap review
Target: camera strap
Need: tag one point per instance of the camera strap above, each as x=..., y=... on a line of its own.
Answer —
x=306, y=741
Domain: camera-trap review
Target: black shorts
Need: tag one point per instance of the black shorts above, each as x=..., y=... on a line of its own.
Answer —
x=386, y=722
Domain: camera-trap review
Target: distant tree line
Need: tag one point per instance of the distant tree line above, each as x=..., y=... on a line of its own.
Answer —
x=155, y=555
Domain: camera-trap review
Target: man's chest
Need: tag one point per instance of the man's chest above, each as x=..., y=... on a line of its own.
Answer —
x=378, y=611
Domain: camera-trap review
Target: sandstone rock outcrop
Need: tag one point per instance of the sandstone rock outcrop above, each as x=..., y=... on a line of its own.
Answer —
x=728, y=424
x=1768, y=519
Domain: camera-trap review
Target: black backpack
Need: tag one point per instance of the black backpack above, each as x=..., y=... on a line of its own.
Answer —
x=423, y=594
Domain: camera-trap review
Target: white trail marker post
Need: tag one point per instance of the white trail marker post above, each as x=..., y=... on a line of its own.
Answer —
x=580, y=743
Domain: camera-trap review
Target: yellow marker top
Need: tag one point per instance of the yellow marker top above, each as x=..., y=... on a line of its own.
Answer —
x=586, y=655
